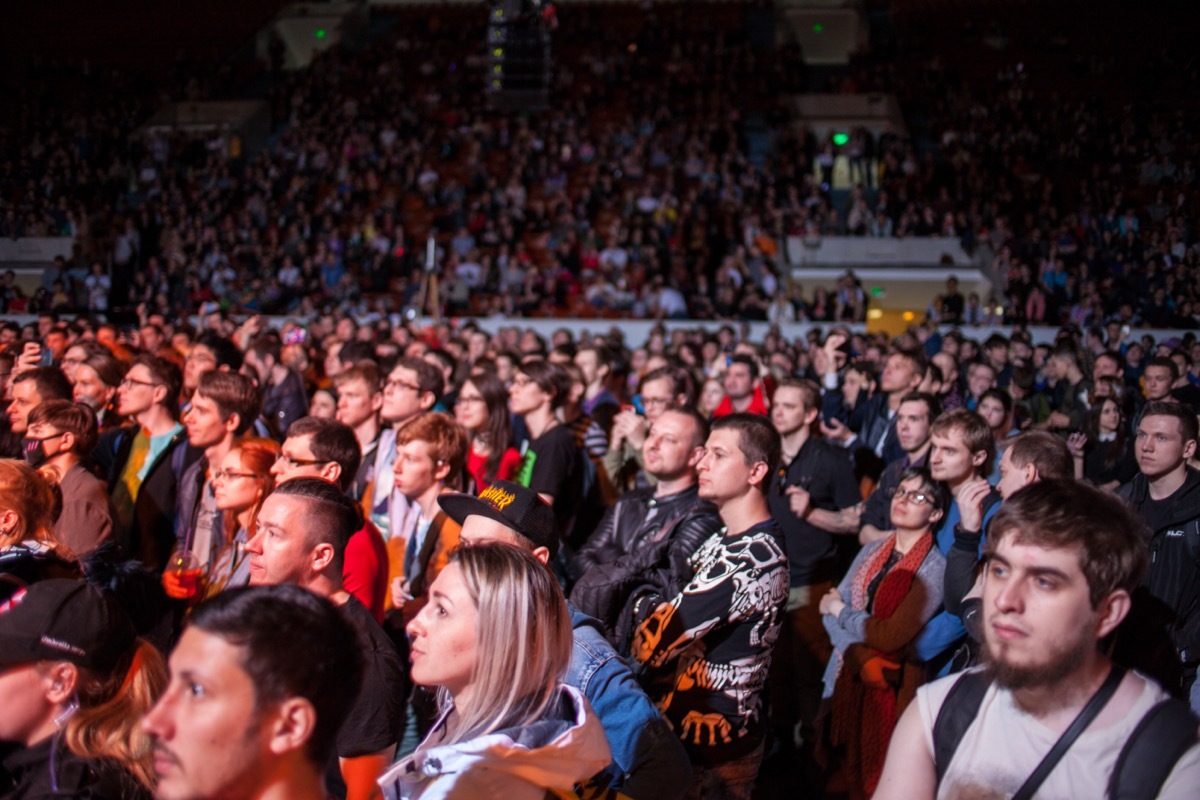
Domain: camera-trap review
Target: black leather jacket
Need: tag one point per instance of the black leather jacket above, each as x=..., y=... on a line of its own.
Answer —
x=641, y=539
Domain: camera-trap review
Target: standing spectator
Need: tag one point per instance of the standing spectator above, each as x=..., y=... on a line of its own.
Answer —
x=482, y=411
x=1163, y=635
x=743, y=389
x=359, y=399
x=31, y=388
x=283, y=398
x=96, y=382
x=241, y=483
x=725, y=619
x=913, y=421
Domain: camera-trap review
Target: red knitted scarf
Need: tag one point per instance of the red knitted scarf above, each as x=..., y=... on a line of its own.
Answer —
x=864, y=717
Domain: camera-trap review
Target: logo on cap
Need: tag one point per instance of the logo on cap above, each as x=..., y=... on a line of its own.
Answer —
x=497, y=498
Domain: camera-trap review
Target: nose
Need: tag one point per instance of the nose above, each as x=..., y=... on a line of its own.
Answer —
x=417, y=626
x=157, y=721
x=254, y=545
x=1009, y=598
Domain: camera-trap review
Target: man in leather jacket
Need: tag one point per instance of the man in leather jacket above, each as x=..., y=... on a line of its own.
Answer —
x=648, y=530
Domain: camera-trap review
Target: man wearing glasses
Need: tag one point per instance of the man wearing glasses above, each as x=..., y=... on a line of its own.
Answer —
x=143, y=462
x=815, y=499
x=322, y=448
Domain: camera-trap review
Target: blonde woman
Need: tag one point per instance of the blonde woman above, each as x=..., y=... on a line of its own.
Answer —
x=495, y=638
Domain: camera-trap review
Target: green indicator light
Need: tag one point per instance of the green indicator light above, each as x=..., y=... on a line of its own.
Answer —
x=877, y=291
x=841, y=138
x=320, y=34
x=818, y=28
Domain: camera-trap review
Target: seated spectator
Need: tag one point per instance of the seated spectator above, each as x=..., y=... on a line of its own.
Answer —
x=743, y=388
x=28, y=550
x=60, y=438
x=31, y=388
x=282, y=389
x=251, y=651
x=892, y=589
x=77, y=682
x=96, y=382
x=1103, y=453
x=495, y=640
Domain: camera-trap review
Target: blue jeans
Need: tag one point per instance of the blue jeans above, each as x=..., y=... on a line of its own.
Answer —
x=732, y=780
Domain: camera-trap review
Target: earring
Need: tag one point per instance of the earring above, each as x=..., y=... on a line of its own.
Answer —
x=61, y=718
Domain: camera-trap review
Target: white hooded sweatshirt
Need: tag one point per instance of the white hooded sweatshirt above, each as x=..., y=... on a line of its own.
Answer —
x=567, y=747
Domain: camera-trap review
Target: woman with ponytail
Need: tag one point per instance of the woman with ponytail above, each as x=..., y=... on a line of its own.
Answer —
x=75, y=682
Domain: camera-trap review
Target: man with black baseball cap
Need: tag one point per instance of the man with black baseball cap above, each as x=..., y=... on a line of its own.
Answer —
x=66, y=648
x=648, y=760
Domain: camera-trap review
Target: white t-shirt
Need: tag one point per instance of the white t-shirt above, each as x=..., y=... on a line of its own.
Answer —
x=1004, y=745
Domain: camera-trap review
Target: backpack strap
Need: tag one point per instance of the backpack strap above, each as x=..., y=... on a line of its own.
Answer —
x=958, y=711
x=1164, y=734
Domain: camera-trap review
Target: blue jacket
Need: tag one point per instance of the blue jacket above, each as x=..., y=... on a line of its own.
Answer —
x=648, y=759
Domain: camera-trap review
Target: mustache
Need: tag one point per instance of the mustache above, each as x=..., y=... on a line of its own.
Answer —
x=160, y=750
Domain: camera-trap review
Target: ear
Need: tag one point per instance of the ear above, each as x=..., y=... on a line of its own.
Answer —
x=233, y=423
x=694, y=459
x=427, y=400
x=67, y=442
x=441, y=471
x=542, y=554
x=936, y=515
x=978, y=457
x=321, y=557
x=1189, y=449
x=377, y=401
x=1030, y=473
x=1112, y=611
x=293, y=726
x=332, y=472
x=758, y=473
x=159, y=393
x=60, y=681
x=810, y=416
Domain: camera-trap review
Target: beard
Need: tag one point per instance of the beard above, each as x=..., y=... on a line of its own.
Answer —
x=1060, y=662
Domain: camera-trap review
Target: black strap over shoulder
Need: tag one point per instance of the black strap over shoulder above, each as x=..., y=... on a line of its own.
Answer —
x=958, y=711
x=1161, y=738
x=1090, y=711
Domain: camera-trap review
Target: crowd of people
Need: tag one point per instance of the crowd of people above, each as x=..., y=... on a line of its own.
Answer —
x=664, y=181
x=582, y=566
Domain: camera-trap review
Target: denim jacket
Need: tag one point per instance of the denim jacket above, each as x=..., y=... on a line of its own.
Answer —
x=648, y=759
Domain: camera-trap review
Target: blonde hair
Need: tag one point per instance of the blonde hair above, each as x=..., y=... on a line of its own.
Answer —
x=29, y=495
x=108, y=721
x=523, y=640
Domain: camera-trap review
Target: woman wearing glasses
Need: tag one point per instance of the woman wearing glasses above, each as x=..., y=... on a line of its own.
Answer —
x=239, y=487
x=482, y=409
x=892, y=589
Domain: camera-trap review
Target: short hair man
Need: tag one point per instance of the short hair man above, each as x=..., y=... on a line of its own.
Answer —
x=300, y=538
x=209, y=352
x=654, y=527
x=224, y=407
x=960, y=456
x=1069, y=398
x=412, y=387
x=277, y=668
x=31, y=388
x=60, y=436
x=323, y=448
x=660, y=389
x=144, y=461
x=648, y=761
x=1159, y=378
x=284, y=399
x=1063, y=560
x=726, y=619
x=914, y=418
x=360, y=397
x=1166, y=495
x=743, y=390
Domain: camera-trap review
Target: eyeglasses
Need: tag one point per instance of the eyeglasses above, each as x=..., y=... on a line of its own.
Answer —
x=462, y=401
x=129, y=383
x=914, y=497
x=521, y=381
x=655, y=401
x=395, y=384
x=224, y=476
x=295, y=463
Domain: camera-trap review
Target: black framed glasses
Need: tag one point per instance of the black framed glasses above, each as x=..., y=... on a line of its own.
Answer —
x=915, y=497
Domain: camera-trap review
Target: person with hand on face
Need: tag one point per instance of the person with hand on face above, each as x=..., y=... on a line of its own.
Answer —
x=60, y=437
x=961, y=452
x=892, y=589
x=495, y=639
x=261, y=682
x=660, y=389
x=1063, y=560
x=74, y=683
x=300, y=538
